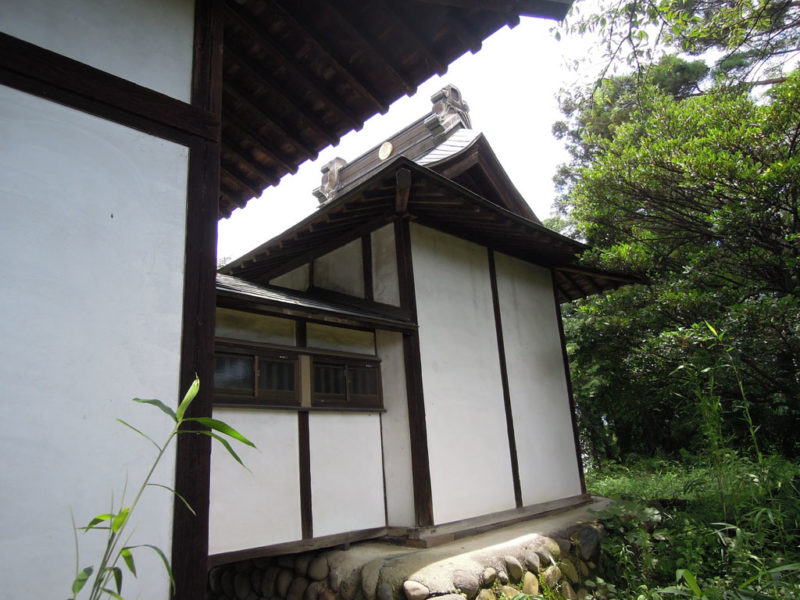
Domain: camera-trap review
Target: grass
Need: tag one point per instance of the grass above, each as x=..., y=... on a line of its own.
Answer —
x=686, y=529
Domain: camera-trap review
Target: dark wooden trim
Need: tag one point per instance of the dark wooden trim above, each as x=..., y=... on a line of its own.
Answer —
x=301, y=333
x=572, y=412
x=366, y=260
x=420, y=465
x=255, y=306
x=326, y=541
x=383, y=472
x=32, y=69
x=501, y=352
x=432, y=536
x=304, y=452
x=193, y=452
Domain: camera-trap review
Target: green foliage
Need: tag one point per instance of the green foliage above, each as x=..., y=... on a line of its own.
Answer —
x=752, y=37
x=108, y=576
x=649, y=540
x=701, y=195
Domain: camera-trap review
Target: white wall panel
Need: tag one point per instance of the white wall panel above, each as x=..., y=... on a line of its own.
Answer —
x=148, y=42
x=341, y=270
x=252, y=327
x=346, y=472
x=328, y=337
x=465, y=413
x=385, y=283
x=396, y=434
x=93, y=234
x=537, y=383
x=259, y=506
x=296, y=279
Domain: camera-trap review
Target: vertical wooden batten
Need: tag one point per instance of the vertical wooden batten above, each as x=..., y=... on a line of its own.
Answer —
x=304, y=443
x=193, y=460
x=420, y=465
x=572, y=411
x=366, y=261
x=501, y=352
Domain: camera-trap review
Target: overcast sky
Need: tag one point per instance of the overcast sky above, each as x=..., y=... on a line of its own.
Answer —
x=510, y=85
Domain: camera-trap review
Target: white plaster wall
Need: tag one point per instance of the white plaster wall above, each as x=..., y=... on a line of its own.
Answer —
x=265, y=329
x=346, y=473
x=395, y=431
x=296, y=279
x=385, y=283
x=328, y=337
x=341, y=270
x=259, y=506
x=537, y=383
x=93, y=234
x=148, y=42
x=465, y=414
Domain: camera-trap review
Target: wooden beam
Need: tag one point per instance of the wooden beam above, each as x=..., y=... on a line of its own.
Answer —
x=189, y=554
x=410, y=31
x=258, y=73
x=230, y=119
x=418, y=428
x=339, y=64
x=529, y=8
x=283, y=129
x=501, y=352
x=290, y=63
x=572, y=411
x=306, y=514
x=403, y=180
x=366, y=262
x=361, y=33
x=29, y=68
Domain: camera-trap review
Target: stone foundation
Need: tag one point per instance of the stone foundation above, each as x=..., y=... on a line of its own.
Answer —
x=561, y=561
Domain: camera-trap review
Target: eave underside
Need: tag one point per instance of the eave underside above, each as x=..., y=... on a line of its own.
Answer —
x=297, y=76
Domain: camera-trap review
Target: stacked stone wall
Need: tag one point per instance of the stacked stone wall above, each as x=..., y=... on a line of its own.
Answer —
x=562, y=562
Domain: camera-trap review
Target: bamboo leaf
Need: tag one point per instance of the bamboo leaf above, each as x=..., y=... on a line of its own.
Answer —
x=127, y=556
x=167, y=566
x=222, y=441
x=113, y=594
x=81, y=579
x=117, y=572
x=144, y=435
x=176, y=494
x=120, y=519
x=160, y=405
x=187, y=399
x=97, y=520
x=223, y=428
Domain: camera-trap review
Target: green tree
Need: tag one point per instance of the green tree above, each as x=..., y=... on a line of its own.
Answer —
x=699, y=192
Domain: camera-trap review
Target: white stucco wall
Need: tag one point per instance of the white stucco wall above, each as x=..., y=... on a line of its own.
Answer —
x=259, y=506
x=296, y=279
x=465, y=414
x=342, y=339
x=93, y=234
x=537, y=383
x=346, y=472
x=385, y=283
x=395, y=431
x=252, y=327
x=341, y=270
x=148, y=42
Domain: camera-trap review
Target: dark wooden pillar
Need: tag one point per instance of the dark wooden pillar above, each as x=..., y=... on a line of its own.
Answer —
x=190, y=532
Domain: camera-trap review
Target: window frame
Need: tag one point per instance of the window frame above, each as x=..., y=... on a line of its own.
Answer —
x=294, y=354
x=350, y=401
x=255, y=398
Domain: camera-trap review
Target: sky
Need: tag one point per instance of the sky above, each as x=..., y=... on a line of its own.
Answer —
x=511, y=87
